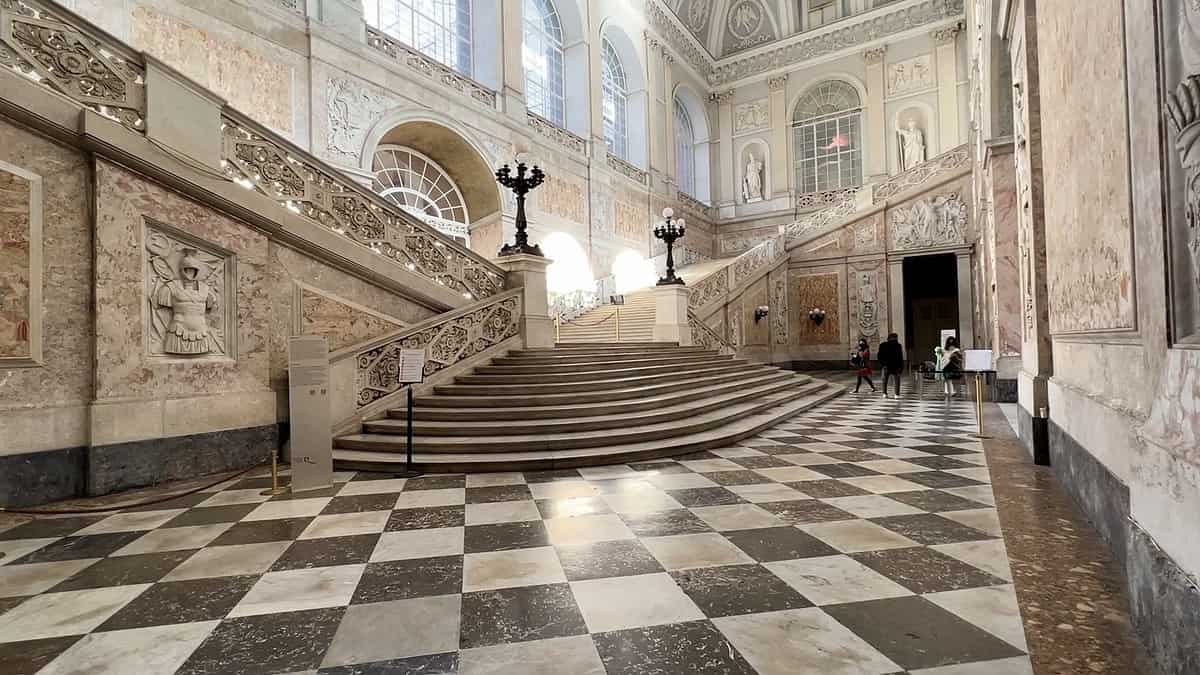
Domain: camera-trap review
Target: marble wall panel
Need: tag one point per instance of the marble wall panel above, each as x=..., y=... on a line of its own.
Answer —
x=813, y=290
x=632, y=225
x=1006, y=277
x=341, y=321
x=563, y=197
x=756, y=333
x=17, y=223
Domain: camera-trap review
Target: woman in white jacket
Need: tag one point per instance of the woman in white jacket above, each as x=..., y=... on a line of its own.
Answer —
x=949, y=365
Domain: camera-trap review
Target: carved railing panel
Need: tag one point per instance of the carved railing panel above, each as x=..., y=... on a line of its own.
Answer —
x=274, y=168
x=725, y=280
x=452, y=338
x=690, y=204
x=704, y=336
x=823, y=218
x=41, y=43
x=628, y=170
x=431, y=68
x=753, y=260
x=925, y=172
x=709, y=288
x=552, y=131
x=814, y=200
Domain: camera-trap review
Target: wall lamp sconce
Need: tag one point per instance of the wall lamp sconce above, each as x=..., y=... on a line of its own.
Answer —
x=816, y=315
x=760, y=313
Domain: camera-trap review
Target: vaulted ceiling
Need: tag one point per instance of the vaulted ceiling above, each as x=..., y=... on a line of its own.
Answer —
x=726, y=27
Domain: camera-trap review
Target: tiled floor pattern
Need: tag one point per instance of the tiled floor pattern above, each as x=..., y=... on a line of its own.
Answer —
x=858, y=538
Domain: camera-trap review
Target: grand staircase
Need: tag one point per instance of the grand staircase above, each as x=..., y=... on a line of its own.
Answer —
x=635, y=320
x=585, y=404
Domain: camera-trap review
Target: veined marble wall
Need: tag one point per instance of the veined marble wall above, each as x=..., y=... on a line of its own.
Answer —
x=20, y=278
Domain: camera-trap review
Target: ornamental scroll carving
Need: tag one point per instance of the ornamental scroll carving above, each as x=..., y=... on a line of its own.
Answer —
x=939, y=220
x=459, y=337
x=39, y=44
x=189, y=289
x=1184, y=116
x=351, y=111
x=708, y=289
x=779, y=308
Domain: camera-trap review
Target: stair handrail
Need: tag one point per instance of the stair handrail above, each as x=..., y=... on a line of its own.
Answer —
x=704, y=336
x=61, y=51
x=724, y=280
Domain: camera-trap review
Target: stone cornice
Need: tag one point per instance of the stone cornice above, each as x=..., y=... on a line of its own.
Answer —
x=677, y=39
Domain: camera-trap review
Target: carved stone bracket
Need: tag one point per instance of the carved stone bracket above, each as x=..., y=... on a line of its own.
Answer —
x=777, y=83
x=945, y=36
x=875, y=56
x=721, y=97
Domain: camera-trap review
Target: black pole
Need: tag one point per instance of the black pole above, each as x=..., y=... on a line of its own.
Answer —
x=408, y=460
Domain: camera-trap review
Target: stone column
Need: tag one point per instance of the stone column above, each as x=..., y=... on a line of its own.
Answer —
x=668, y=97
x=656, y=123
x=529, y=272
x=876, y=166
x=726, y=182
x=896, y=301
x=670, y=315
x=512, y=74
x=946, y=40
x=966, y=306
x=780, y=178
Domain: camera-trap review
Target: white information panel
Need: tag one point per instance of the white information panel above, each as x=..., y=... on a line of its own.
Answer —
x=412, y=366
x=977, y=360
x=948, y=333
x=310, y=450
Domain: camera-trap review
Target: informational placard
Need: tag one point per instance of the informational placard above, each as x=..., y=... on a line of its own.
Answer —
x=948, y=333
x=977, y=360
x=310, y=450
x=412, y=366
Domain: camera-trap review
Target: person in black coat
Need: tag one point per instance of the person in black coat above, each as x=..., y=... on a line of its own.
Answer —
x=891, y=360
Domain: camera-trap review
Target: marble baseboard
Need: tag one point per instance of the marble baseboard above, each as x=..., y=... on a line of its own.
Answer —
x=1005, y=391
x=1165, y=605
x=1101, y=495
x=1034, y=436
x=32, y=478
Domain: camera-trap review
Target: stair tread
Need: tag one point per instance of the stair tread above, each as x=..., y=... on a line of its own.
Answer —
x=602, y=384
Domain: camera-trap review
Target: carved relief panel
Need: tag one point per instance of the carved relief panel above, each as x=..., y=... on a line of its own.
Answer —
x=912, y=75
x=563, y=198
x=751, y=116
x=867, y=300
x=928, y=222
x=191, y=311
x=20, y=267
x=1182, y=61
x=351, y=110
x=631, y=223
x=747, y=24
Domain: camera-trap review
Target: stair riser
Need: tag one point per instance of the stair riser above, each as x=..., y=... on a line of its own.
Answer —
x=614, y=438
x=584, y=367
x=591, y=376
x=588, y=358
x=586, y=387
x=502, y=427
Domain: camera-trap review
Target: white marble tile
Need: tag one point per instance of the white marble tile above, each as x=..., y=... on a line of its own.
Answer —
x=731, y=453
x=475, y=480
x=289, y=508
x=644, y=501
x=443, y=497
x=777, y=643
x=737, y=517
x=226, y=561
x=632, y=602
x=607, y=472
x=683, y=551
x=502, y=512
x=679, y=481
x=129, y=522
x=586, y=529
x=174, y=539
x=992, y=608
x=563, y=489
x=30, y=579
x=507, y=569
x=883, y=484
x=408, y=544
x=761, y=493
x=296, y=590
x=830, y=580
x=557, y=656
x=69, y=613
x=892, y=466
x=1018, y=665
x=872, y=506
x=383, y=631
x=989, y=555
x=346, y=524
x=14, y=549
x=977, y=493
x=855, y=536
x=231, y=497
x=790, y=474
x=711, y=465
x=156, y=649
x=984, y=520
x=807, y=459
x=980, y=474
x=372, y=487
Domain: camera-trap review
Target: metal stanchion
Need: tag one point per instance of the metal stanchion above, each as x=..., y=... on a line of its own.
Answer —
x=276, y=488
x=979, y=403
x=618, y=323
x=557, y=328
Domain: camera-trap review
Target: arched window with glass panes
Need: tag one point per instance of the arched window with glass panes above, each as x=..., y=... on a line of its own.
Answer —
x=685, y=150
x=827, y=137
x=613, y=102
x=420, y=186
x=440, y=29
x=542, y=57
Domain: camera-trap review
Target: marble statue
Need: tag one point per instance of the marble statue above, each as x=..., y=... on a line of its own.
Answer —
x=185, y=293
x=912, y=145
x=752, y=183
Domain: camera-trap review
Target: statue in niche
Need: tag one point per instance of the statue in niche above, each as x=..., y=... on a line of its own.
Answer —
x=912, y=144
x=752, y=184
x=185, y=293
x=1185, y=118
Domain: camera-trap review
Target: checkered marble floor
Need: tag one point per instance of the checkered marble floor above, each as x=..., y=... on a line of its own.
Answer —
x=858, y=538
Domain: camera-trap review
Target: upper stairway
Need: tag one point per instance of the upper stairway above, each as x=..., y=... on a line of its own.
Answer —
x=584, y=404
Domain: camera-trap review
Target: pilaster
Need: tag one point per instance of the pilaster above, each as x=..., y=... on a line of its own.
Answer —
x=529, y=273
x=896, y=301
x=726, y=193
x=966, y=307
x=949, y=133
x=777, y=104
x=512, y=73
x=876, y=147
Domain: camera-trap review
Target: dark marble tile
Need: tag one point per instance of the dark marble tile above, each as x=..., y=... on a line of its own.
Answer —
x=939, y=479
x=760, y=462
x=744, y=477
x=854, y=456
x=710, y=496
x=865, y=445
x=665, y=523
x=800, y=511
x=923, y=570
x=663, y=467
x=426, y=517
x=260, y=483
x=825, y=489
x=737, y=589
x=211, y=515
x=9, y=603
x=124, y=570
x=183, y=502
x=30, y=656
x=930, y=529
x=181, y=602
x=518, y=615
x=935, y=500
x=435, y=482
x=551, y=475
x=797, y=437
x=693, y=456
x=288, y=496
x=757, y=442
x=361, y=503
x=404, y=579
x=769, y=544
x=937, y=449
x=498, y=493
x=940, y=462
x=505, y=536
x=842, y=470
x=783, y=449
x=944, y=439
x=374, y=475
x=870, y=435
x=916, y=633
x=46, y=528
x=326, y=552
x=261, y=532
x=271, y=643
x=574, y=506
x=75, y=548
x=605, y=559
x=691, y=647
x=433, y=664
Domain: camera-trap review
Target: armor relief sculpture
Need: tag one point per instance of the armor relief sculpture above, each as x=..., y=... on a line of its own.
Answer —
x=190, y=296
x=1183, y=115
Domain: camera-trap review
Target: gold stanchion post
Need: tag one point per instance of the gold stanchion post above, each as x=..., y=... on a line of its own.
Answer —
x=276, y=488
x=557, y=327
x=618, y=323
x=979, y=403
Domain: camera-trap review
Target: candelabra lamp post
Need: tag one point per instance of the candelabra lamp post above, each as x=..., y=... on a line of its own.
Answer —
x=670, y=231
x=520, y=184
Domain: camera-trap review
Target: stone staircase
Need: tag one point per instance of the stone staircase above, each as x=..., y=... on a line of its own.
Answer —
x=584, y=404
x=600, y=323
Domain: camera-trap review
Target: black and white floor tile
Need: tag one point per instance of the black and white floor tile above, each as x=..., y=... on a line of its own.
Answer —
x=858, y=538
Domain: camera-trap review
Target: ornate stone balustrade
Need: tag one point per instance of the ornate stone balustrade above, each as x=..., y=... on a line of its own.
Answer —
x=258, y=159
x=552, y=131
x=929, y=171
x=628, y=170
x=814, y=200
x=704, y=336
x=822, y=219
x=721, y=282
x=430, y=68
x=690, y=204
x=446, y=339
x=48, y=46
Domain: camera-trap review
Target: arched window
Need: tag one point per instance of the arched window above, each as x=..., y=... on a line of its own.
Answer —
x=438, y=28
x=827, y=132
x=614, y=102
x=685, y=150
x=542, y=56
x=418, y=185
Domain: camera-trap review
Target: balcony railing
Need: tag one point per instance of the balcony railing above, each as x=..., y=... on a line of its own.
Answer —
x=552, y=131
x=429, y=67
x=628, y=170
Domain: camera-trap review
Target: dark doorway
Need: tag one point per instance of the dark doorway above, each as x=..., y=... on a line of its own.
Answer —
x=930, y=303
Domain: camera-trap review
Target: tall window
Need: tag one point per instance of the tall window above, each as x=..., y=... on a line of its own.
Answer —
x=685, y=150
x=613, y=101
x=821, y=12
x=542, y=56
x=827, y=132
x=418, y=185
x=438, y=28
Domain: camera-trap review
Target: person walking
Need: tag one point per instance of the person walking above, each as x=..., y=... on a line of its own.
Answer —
x=949, y=364
x=861, y=359
x=891, y=360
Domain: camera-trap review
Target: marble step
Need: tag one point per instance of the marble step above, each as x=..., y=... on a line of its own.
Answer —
x=505, y=422
x=532, y=460
x=568, y=356
x=601, y=345
x=389, y=435
x=481, y=376
x=619, y=384
x=665, y=362
x=692, y=385
x=767, y=383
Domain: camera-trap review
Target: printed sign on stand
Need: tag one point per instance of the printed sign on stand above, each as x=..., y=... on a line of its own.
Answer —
x=977, y=360
x=412, y=371
x=310, y=450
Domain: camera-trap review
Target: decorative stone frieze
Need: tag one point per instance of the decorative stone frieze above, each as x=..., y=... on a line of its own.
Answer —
x=431, y=68
x=779, y=308
x=812, y=200
x=932, y=221
x=190, y=293
x=555, y=133
x=677, y=38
